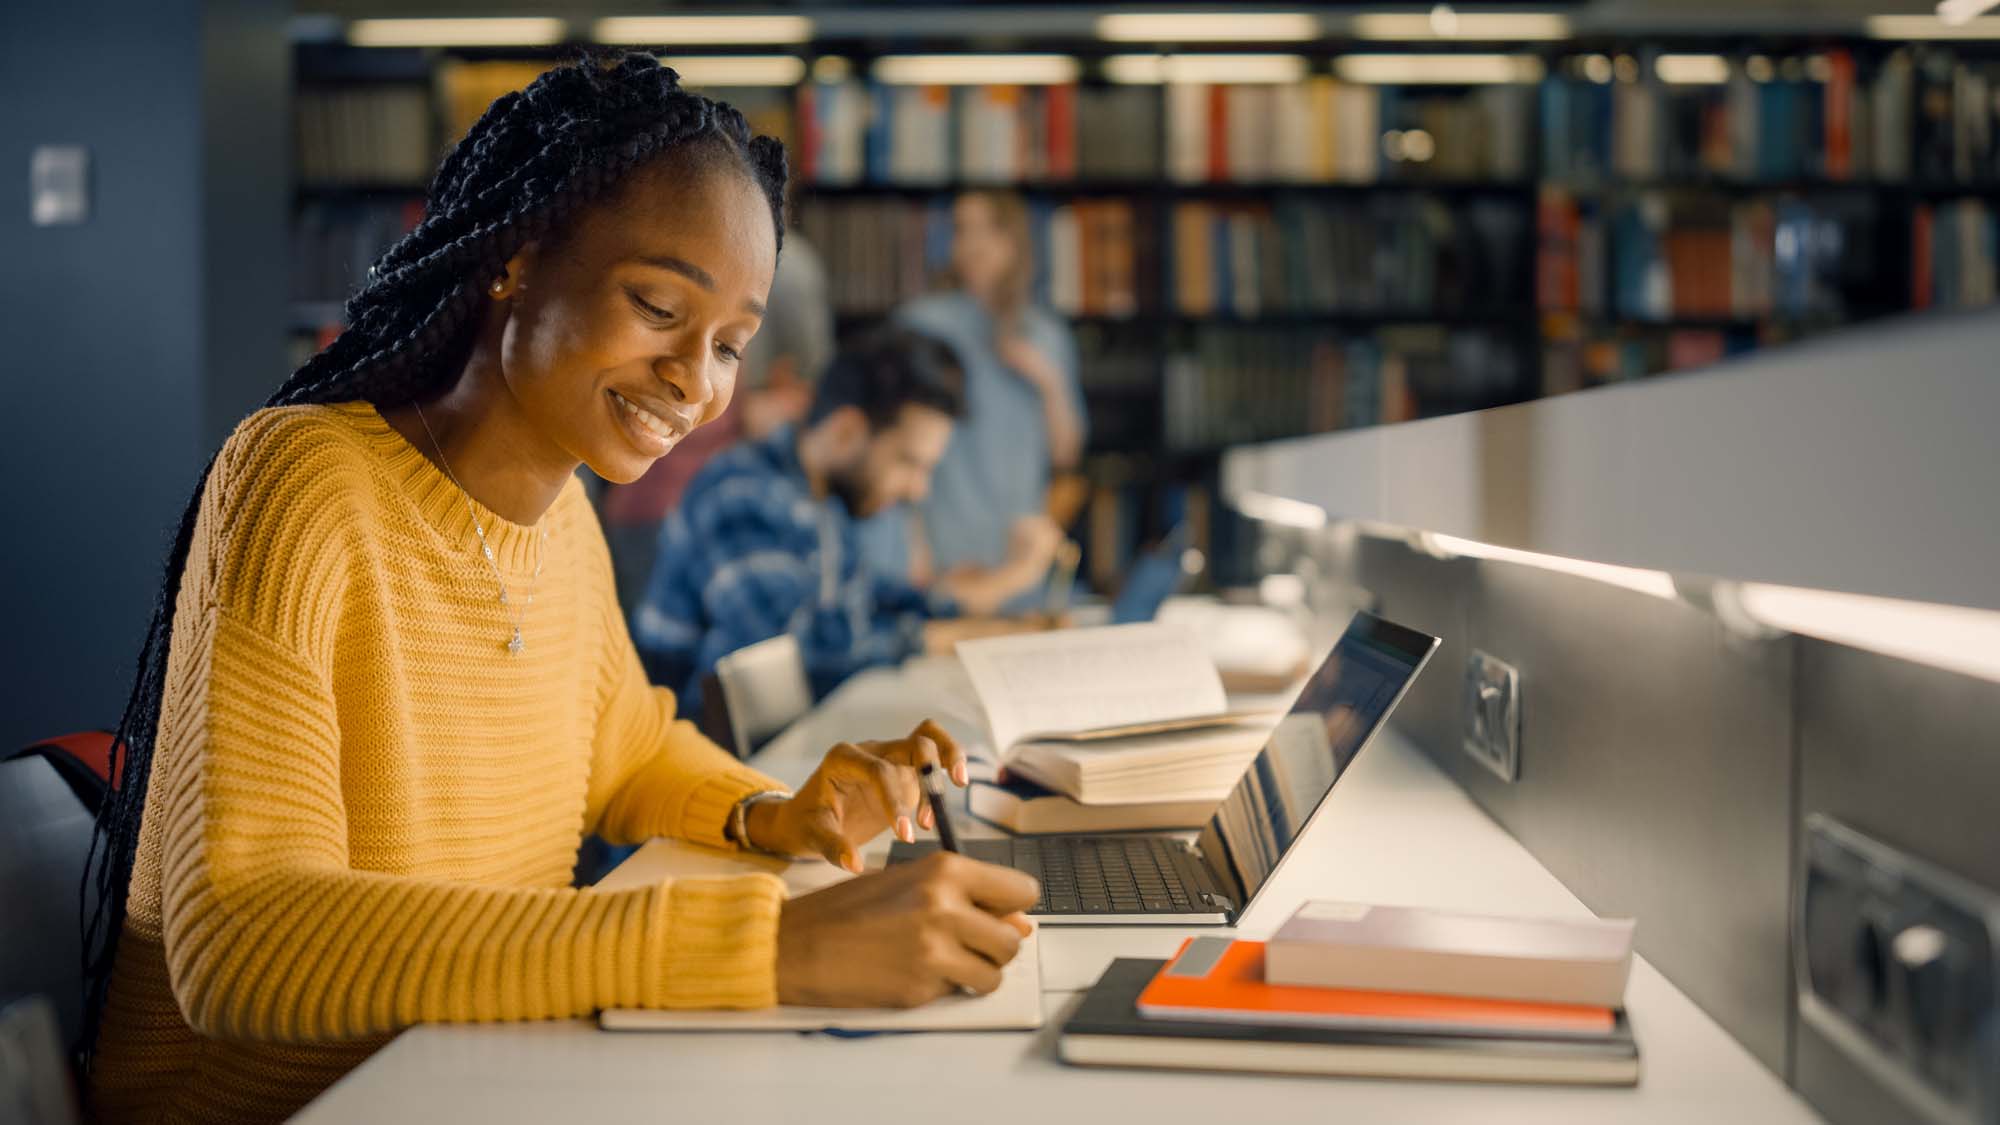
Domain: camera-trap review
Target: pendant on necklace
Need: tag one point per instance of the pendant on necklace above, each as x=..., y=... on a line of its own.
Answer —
x=514, y=645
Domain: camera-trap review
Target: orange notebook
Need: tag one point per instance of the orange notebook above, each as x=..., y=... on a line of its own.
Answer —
x=1216, y=979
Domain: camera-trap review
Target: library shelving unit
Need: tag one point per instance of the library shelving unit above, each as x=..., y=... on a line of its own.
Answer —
x=1243, y=262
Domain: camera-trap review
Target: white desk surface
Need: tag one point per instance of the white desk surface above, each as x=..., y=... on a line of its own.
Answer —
x=1394, y=831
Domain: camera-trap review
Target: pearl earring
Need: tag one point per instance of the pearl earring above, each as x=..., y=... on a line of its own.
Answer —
x=498, y=287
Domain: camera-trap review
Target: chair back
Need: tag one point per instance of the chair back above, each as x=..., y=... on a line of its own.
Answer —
x=763, y=689
x=45, y=831
x=35, y=1087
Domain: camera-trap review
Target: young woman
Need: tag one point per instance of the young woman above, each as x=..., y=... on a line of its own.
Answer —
x=1024, y=413
x=387, y=687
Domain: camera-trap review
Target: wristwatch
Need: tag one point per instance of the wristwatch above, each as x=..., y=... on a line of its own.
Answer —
x=738, y=828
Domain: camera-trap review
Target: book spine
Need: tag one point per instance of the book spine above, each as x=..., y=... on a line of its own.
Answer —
x=1217, y=166
x=1060, y=105
x=1839, y=96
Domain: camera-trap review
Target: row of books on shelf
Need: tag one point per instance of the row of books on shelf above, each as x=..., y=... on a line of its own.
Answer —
x=1318, y=130
x=334, y=243
x=853, y=132
x=1090, y=255
x=1954, y=250
x=1659, y=256
x=1921, y=113
x=1613, y=354
x=355, y=134
x=1926, y=116
x=1325, y=130
x=1386, y=255
x=1234, y=384
x=1402, y=255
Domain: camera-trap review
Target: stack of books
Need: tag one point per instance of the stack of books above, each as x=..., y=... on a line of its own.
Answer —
x=1376, y=991
x=1118, y=728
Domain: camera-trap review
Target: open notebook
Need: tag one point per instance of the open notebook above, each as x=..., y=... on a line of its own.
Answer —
x=1015, y=1006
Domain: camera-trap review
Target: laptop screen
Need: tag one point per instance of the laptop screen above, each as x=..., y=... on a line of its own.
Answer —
x=1360, y=682
x=1154, y=579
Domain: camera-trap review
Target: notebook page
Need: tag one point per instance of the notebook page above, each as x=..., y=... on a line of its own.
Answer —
x=1079, y=679
x=1015, y=1006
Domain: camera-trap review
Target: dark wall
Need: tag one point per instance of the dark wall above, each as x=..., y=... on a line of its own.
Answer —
x=126, y=340
x=246, y=142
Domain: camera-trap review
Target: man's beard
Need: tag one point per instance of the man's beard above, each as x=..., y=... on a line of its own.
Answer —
x=852, y=489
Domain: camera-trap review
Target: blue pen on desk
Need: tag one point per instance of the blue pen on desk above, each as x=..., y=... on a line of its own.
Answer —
x=934, y=792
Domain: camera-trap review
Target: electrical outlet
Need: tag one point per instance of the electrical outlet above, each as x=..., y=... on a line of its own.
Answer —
x=1896, y=965
x=1492, y=717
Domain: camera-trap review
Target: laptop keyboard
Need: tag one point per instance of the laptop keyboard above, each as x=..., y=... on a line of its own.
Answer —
x=1106, y=875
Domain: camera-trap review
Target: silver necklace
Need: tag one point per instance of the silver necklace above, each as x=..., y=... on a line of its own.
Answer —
x=514, y=643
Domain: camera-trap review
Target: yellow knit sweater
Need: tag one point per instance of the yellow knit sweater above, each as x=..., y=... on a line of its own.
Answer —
x=364, y=811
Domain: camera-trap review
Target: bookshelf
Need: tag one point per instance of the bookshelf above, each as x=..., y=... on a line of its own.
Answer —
x=1250, y=262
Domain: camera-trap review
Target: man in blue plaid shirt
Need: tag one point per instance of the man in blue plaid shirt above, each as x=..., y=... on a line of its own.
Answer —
x=764, y=541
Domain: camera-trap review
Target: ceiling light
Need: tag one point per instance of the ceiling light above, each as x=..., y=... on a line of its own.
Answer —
x=1943, y=636
x=513, y=31
x=1444, y=22
x=1657, y=583
x=1692, y=70
x=1438, y=70
x=1234, y=69
x=1932, y=27
x=739, y=70
x=976, y=70
x=684, y=31
x=1207, y=27
x=1957, y=12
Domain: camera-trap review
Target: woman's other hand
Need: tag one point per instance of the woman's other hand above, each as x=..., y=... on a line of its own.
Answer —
x=858, y=790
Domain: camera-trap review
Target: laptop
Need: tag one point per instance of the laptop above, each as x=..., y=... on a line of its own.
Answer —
x=1123, y=879
x=1155, y=577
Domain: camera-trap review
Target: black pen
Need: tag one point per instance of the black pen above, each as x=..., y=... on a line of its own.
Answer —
x=934, y=791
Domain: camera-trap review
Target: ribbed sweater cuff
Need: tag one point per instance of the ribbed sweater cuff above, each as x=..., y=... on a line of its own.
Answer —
x=718, y=943
x=705, y=815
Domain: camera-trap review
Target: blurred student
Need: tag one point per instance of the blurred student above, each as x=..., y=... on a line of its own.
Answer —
x=765, y=540
x=1024, y=414
x=774, y=380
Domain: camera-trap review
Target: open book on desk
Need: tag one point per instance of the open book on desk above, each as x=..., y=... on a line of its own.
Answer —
x=1015, y=1006
x=1120, y=714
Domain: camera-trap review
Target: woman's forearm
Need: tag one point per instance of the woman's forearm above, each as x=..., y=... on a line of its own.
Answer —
x=1065, y=428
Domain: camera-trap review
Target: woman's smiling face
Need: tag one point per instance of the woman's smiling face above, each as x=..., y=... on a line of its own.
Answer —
x=623, y=334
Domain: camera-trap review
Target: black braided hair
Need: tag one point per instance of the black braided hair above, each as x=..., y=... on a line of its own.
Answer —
x=533, y=161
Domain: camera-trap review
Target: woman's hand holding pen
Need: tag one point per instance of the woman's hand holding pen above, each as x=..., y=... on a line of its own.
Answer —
x=857, y=791
x=894, y=938
x=903, y=936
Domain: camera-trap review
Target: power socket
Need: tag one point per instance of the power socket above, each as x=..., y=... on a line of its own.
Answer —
x=1492, y=714
x=1896, y=964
